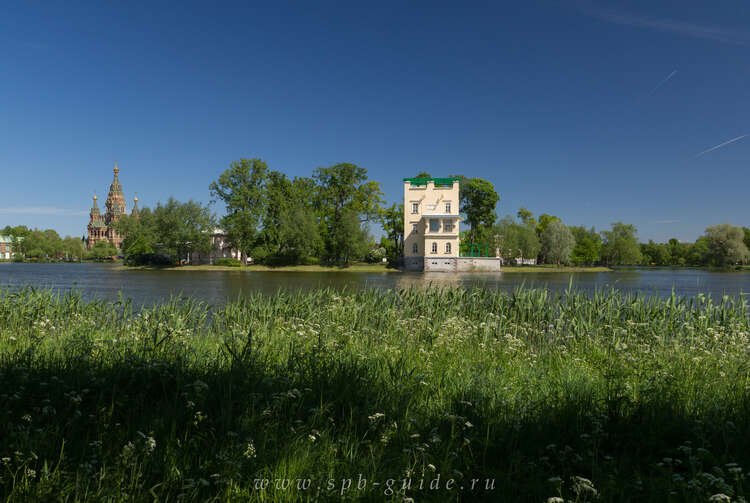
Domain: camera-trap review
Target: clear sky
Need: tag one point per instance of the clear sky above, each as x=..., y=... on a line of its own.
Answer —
x=595, y=112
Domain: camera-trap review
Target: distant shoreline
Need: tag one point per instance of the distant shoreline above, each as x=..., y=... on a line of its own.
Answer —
x=263, y=268
x=364, y=268
x=554, y=268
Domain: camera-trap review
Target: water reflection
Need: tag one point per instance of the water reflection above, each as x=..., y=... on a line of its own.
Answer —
x=106, y=281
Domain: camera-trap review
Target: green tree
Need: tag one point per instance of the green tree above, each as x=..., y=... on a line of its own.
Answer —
x=290, y=232
x=699, y=253
x=74, y=248
x=588, y=246
x=678, y=252
x=746, y=239
x=526, y=217
x=344, y=196
x=557, y=242
x=40, y=245
x=515, y=240
x=392, y=221
x=478, y=201
x=726, y=244
x=655, y=253
x=350, y=239
x=182, y=228
x=544, y=220
x=241, y=189
x=423, y=174
x=621, y=245
x=139, y=233
x=101, y=251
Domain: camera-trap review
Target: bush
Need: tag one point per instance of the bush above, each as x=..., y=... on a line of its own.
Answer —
x=375, y=255
x=228, y=262
x=147, y=259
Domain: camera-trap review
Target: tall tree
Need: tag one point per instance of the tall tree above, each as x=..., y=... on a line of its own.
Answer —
x=290, y=230
x=478, y=200
x=727, y=245
x=557, y=242
x=241, y=189
x=392, y=221
x=101, y=251
x=699, y=252
x=344, y=194
x=587, y=247
x=544, y=220
x=621, y=245
x=73, y=248
x=526, y=217
x=183, y=227
x=515, y=240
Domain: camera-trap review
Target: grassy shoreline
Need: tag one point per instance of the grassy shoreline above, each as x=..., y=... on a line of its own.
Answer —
x=365, y=268
x=263, y=268
x=554, y=268
x=607, y=397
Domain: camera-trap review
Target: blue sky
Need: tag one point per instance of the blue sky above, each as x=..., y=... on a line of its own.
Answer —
x=596, y=112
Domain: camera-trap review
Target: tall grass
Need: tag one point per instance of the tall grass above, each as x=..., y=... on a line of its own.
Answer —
x=525, y=397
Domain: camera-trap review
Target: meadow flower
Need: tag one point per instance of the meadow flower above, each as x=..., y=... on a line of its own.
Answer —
x=250, y=451
x=128, y=451
x=376, y=417
x=583, y=486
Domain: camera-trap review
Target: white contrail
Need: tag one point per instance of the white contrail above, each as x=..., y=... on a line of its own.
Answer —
x=722, y=144
x=662, y=82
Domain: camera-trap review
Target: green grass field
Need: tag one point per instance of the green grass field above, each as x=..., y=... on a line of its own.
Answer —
x=318, y=396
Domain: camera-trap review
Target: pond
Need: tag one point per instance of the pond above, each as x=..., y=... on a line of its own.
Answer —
x=106, y=281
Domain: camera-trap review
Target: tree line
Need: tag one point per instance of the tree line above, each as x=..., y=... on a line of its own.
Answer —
x=548, y=240
x=47, y=245
x=326, y=218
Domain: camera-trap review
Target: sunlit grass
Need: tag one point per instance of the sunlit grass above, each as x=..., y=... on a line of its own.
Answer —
x=607, y=397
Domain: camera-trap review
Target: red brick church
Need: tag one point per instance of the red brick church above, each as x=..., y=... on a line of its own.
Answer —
x=102, y=228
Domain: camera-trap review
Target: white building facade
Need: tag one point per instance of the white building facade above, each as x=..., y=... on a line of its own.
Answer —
x=431, y=228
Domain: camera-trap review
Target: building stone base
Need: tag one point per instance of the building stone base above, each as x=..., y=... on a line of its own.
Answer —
x=453, y=264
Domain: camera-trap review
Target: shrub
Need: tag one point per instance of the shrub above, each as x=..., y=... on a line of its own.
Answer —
x=228, y=262
x=147, y=259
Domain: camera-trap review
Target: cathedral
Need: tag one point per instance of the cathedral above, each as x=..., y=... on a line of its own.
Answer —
x=102, y=228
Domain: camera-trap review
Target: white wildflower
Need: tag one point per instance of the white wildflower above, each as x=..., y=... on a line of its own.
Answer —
x=250, y=451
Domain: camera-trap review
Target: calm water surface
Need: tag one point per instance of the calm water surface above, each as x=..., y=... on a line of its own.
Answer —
x=105, y=281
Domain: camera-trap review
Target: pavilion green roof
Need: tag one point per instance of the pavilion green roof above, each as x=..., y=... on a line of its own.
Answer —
x=440, y=182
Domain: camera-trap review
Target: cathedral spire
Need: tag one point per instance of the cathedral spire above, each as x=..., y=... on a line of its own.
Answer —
x=95, y=206
x=134, y=212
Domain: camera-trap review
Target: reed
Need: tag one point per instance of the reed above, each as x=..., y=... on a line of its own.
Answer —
x=606, y=397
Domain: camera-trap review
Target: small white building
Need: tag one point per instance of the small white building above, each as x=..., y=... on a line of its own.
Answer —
x=220, y=248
